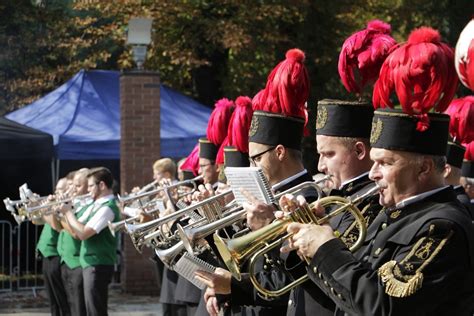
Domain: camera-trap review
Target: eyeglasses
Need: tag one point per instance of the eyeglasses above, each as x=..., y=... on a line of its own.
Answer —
x=256, y=158
x=205, y=165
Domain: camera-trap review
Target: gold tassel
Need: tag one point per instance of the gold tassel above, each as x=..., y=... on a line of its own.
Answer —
x=395, y=287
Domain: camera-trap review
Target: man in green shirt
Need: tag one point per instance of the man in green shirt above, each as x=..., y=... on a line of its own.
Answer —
x=98, y=248
x=69, y=246
x=47, y=247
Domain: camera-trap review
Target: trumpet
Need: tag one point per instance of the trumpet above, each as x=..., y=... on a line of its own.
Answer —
x=190, y=235
x=142, y=234
x=136, y=196
x=17, y=209
x=115, y=227
x=42, y=210
x=253, y=245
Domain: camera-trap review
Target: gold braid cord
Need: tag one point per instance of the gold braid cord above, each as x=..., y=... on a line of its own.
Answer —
x=404, y=278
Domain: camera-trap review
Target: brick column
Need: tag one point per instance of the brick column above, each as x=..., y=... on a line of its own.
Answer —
x=139, y=148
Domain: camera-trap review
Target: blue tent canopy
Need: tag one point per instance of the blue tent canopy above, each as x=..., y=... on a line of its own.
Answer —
x=83, y=116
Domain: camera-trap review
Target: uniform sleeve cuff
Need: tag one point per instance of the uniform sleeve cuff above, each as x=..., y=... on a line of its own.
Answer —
x=331, y=256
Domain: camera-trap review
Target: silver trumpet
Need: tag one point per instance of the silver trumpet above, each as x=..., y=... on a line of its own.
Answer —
x=119, y=226
x=17, y=209
x=143, y=234
x=189, y=236
x=136, y=196
x=34, y=212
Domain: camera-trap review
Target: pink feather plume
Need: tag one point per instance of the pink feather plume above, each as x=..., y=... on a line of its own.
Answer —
x=192, y=161
x=219, y=121
x=362, y=55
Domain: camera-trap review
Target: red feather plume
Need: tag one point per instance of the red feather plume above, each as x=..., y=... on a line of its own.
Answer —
x=257, y=101
x=461, y=123
x=192, y=161
x=238, y=130
x=364, y=52
x=239, y=125
x=421, y=73
x=219, y=121
x=220, y=151
x=287, y=88
x=469, y=154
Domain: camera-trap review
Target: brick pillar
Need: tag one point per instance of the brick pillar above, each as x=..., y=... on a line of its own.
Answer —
x=139, y=148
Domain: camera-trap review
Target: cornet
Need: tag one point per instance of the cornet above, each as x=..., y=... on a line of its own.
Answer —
x=253, y=245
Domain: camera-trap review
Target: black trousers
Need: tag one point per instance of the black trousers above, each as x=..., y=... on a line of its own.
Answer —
x=96, y=288
x=74, y=285
x=54, y=286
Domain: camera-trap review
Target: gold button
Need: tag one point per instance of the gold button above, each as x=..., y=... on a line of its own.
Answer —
x=290, y=302
x=384, y=225
x=320, y=275
x=315, y=270
x=378, y=251
x=326, y=283
x=339, y=296
x=265, y=267
x=332, y=291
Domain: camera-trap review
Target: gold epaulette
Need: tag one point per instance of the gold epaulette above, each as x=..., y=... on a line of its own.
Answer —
x=404, y=278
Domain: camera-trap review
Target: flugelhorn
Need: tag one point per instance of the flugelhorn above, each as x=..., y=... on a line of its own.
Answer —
x=168, y=256
x=135, y=196
x=253, y=245
x=191, y=234
x=141, y=234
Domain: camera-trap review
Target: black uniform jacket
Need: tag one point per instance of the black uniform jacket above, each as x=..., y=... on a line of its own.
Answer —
x=462, y=197
x=308, y=299
x=417, y=260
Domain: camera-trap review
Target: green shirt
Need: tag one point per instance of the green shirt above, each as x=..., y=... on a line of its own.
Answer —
x=69, y=247
x=100, y=249
x=48, y=241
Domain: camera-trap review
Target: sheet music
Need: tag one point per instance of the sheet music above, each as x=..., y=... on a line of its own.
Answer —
x=252, y=180
x=188, y=264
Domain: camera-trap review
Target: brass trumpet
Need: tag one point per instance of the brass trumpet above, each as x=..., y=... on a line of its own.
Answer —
x=253, y=245
x=136, y=196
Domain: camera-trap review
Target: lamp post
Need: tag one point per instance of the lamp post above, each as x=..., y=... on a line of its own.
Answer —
x=139, y=36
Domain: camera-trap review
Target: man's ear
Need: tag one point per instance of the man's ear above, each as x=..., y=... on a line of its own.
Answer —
x=360, y=150
x=446, y=171
x=281, y=152
x=426, y=166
